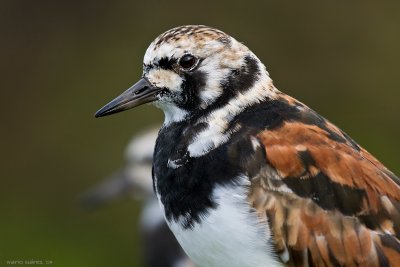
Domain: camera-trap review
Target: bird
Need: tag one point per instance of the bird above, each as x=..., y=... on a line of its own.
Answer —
x=160, y=248
x=247, y=175
x=133, y=178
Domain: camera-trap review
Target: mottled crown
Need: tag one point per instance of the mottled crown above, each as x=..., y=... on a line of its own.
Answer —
x=198, y=33
x=197, y=39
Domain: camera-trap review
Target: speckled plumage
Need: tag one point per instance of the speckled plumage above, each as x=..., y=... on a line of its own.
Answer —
x=321, y=198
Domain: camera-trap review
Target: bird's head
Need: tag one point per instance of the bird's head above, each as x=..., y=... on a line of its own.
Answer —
x=190, y=69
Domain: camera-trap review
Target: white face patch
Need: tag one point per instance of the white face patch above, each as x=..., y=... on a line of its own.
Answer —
x=171, y=80
x=165, y=78
x=230, y=235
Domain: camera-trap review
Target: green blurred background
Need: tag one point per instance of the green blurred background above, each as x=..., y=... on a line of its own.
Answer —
x=62, y=60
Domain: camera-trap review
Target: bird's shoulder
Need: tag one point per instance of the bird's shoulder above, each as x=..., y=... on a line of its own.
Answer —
x=327, y=200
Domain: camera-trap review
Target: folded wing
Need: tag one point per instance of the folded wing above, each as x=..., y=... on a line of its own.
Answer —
x=328, y=201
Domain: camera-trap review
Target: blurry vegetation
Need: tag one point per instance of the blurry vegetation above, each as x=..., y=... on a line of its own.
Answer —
x=62, y=60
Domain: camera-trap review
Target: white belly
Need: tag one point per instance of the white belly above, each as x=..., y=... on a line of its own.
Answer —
x=230, y=236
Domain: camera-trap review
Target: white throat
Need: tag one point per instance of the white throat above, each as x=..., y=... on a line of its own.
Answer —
x=172, y=113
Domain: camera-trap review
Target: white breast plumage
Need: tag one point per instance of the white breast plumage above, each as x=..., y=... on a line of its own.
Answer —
x=230, y=235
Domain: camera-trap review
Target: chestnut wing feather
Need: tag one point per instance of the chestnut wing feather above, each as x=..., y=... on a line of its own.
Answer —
x=328, y=203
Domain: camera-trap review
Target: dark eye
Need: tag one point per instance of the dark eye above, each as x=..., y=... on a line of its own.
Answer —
x=188, y=62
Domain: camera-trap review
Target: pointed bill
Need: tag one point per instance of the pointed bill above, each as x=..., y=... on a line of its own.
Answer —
x=140, y=93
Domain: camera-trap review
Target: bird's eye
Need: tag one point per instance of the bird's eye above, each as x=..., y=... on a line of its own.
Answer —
x=188, y=62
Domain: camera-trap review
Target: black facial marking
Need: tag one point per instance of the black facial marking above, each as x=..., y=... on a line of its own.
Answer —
x=244, y=78
x=328, y=194
x=192, y=84
x=166, y=63
x=163, y=63
x=147, y=67
x=239, y=80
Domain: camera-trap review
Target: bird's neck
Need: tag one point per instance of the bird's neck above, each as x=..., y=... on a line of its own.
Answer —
x=218, y=120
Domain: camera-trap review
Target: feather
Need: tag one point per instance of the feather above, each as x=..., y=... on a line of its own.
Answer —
x=339, y=205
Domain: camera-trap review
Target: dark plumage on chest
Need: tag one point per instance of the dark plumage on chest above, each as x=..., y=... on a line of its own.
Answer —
x=185, y=184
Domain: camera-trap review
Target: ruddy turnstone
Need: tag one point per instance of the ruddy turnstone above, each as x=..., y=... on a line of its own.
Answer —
x=249, y=176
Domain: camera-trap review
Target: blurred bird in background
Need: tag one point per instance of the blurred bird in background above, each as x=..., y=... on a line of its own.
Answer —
x=160, y=247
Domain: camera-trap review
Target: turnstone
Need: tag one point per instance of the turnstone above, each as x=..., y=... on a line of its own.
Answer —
x=249, y=176
x=160, y=248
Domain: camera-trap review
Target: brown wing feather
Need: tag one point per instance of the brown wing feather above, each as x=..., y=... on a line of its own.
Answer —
x=328, y=202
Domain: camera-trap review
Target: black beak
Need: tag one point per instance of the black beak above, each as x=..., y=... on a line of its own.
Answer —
x=140, y=93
